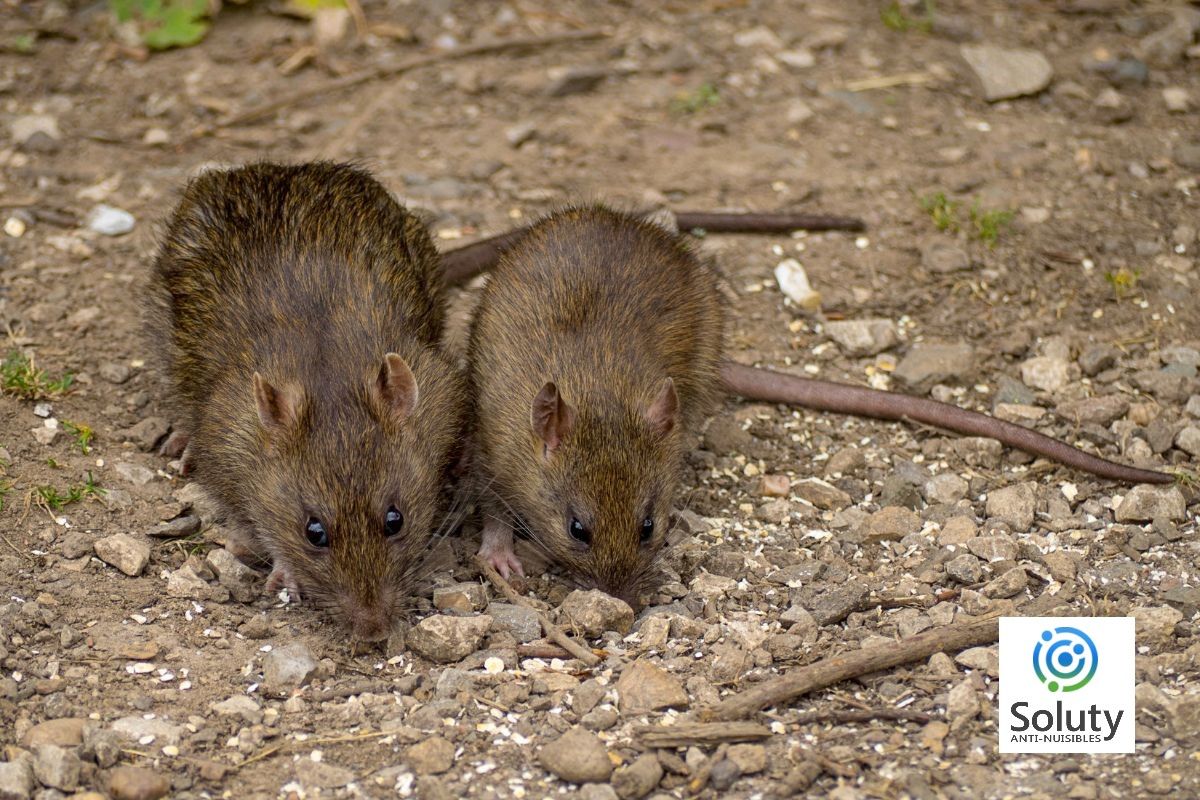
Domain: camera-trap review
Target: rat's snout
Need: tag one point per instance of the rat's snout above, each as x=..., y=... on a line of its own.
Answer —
x=368, y=623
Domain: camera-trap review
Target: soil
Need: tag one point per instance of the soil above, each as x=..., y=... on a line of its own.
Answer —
x=694, y=106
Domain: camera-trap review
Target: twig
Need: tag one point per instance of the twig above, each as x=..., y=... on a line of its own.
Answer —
x=553, y=632
x=463, y=263
x=542, y=650
x=391, y=70
x=835, y=669
x=888, y=81
x=334, y=149
x=845, y=716
x=703, y=734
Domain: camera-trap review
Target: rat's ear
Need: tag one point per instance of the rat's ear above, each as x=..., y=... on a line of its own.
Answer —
x=396, y=388
x=551, y=417
x=663, y=412
x=278, y=409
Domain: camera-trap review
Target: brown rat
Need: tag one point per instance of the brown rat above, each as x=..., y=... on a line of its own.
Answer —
x=300, y=311
x=755, y=383
x=596, y=344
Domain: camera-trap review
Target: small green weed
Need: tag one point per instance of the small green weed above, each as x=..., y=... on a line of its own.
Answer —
x=700, y=98
x=83, y=435
x=894, y=18
x=20, y=377
x=163, y=24
x=943, y=211
x=986, y=226
x=55, y=500
x=1123, y=281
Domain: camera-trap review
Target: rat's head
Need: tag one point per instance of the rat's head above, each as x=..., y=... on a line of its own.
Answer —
x=607, y=479
x=352, y=485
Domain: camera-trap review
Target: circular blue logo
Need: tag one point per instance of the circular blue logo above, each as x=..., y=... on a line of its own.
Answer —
x=1065, y=660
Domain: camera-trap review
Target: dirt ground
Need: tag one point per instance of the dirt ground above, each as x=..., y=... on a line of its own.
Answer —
x=1089, y=292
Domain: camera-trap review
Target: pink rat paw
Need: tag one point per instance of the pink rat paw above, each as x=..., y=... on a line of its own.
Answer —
x=503, y=559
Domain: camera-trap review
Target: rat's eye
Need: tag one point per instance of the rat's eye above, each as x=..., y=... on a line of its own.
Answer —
x=578, y=532
x=393, y=521
x=315, y=532
x=647, y=529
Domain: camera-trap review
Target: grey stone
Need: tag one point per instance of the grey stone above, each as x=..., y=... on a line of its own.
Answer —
x=863, y=337
x=184, y=582
x=596, y=791
x=1165, y=47
x=147, y=433
x=821, y=494
x=993, y=548
x=644, y=687
x=575, y=80
x=1012, y=392
x=1193, y=406
x=288, y=668
x=1188, y=440
x=962, y=703
x=1146, y=502
x=1045, y=373
x=64, y=732
x=835, y=604
x=109, y=221
x=241, y=706
x=946, y=488
x=927, y=364
x=136, y=729
x=578, y=756
x=1014, y=504
x=134, y=473
x=639, y=779
x=321, y=775
x=750, y=758
x=136, y=783
x=56, y=767
x=465, y=597
x=595, y=612
x=1156, y=624
x=177, y=528
x=1184, y=715
x=520, y=621
x=1164, y=384
x=239, y=579
x=942, y=257
x=889, y=524
x=432, y=756
x=1009, y=584
x=964, y=568
x=444, y=639
x=114, y=372
x=724, y=774
x=1006, y=73
x=16, y=780
x=127, y=553
x=1094, y=410
x=1097, y=358
x=985, y=659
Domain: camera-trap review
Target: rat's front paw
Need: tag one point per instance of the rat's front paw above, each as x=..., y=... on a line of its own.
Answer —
x=503, y=559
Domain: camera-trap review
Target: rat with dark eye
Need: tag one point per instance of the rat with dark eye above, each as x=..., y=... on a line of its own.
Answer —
x=596, y=345
x=300, y=312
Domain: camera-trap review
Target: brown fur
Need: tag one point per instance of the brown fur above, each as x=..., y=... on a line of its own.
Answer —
x=308, y=276
x=606, y=308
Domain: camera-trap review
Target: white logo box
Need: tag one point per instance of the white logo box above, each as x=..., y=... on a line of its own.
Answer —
x=1066, y=684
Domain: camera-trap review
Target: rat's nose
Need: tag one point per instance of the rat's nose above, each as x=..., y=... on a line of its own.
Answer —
x=370, y=624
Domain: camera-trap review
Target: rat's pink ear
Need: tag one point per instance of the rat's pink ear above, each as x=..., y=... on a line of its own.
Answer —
x=663, y=412
x=551, y=417
x=278, y=409
x=396, y=387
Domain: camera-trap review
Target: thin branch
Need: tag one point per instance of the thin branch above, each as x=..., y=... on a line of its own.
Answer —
x=392, y=70
x=835, y=669
x=553, y=632
x=701, y=734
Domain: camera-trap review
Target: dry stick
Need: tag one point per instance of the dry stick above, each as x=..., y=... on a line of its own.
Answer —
x=463, y=263
x=392, y=70
x=553, y=632
x=703, y=734
x=845, y=716
x=835, y=669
